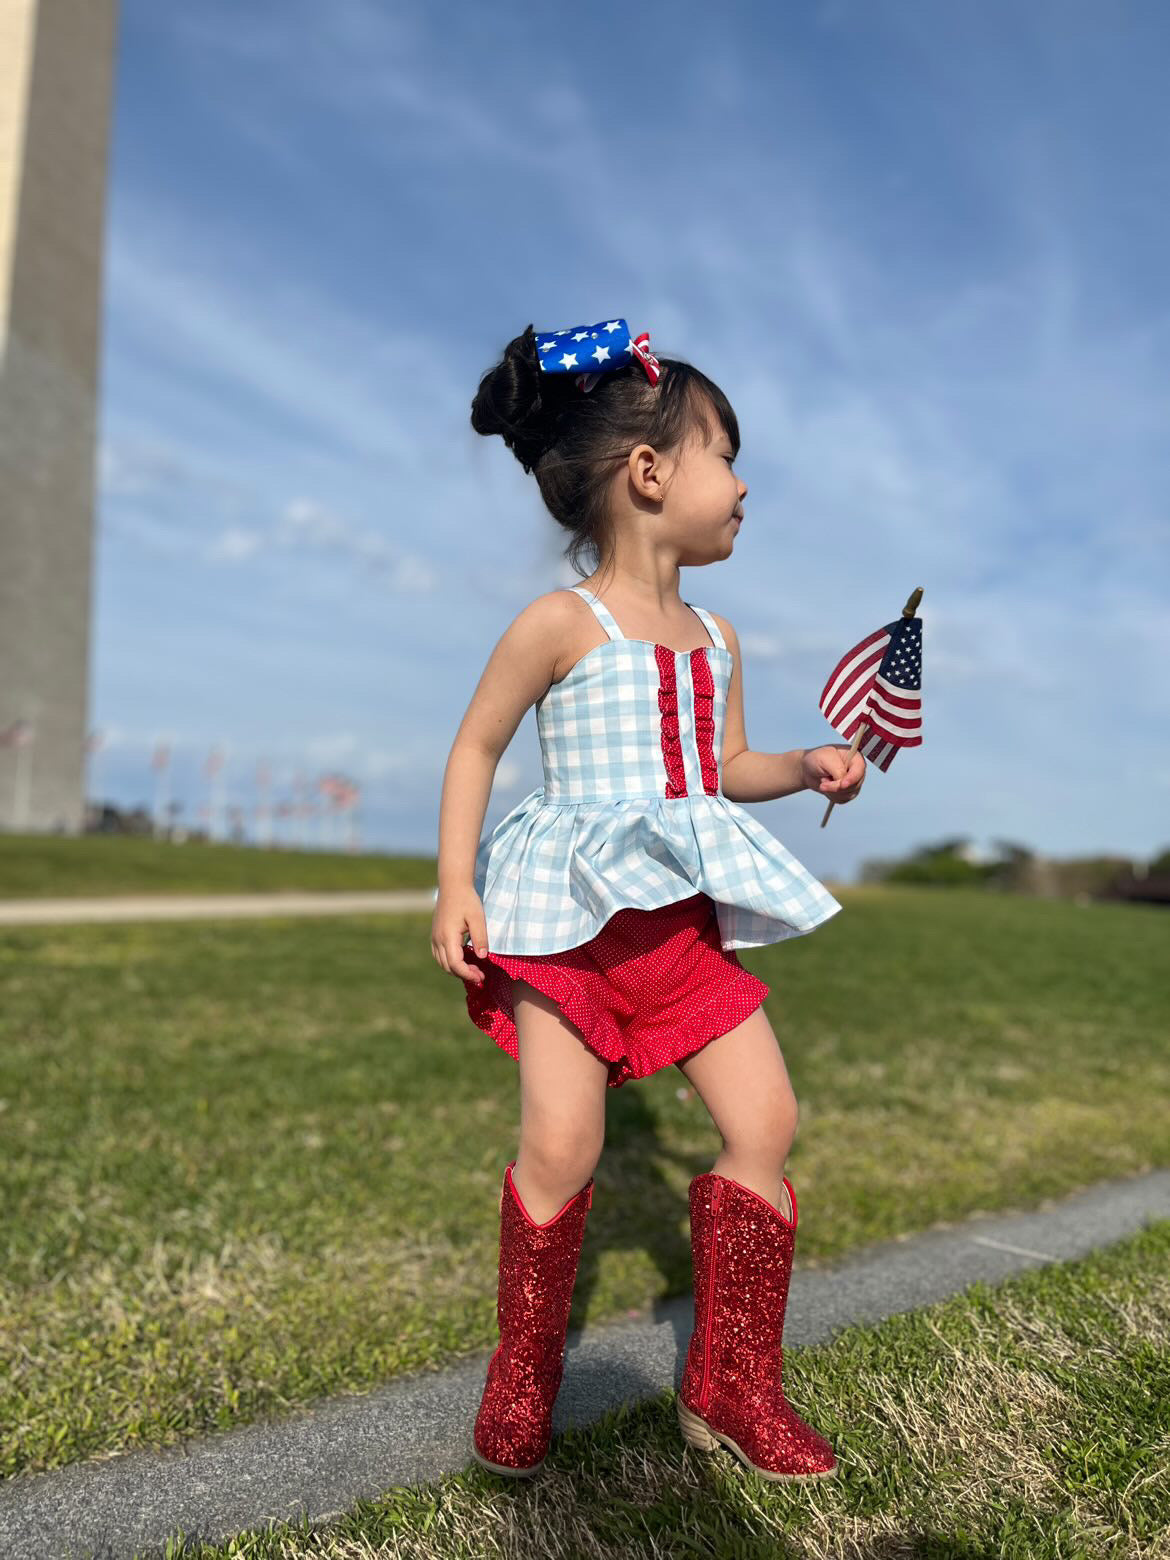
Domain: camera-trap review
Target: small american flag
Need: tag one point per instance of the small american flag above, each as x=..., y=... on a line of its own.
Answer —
x=879, y=681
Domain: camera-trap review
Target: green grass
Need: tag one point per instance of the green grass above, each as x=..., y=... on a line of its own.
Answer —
x=36, y=866
x=245, y=1165
x=1025, y=1421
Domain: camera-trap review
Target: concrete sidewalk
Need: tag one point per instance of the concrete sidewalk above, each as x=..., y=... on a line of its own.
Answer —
x=191, y=907
x=418, y=1427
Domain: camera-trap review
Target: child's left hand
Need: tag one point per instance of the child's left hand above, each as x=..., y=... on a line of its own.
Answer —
x=833, y=772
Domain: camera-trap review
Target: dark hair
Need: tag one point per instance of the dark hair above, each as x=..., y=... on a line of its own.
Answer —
x=574, y=441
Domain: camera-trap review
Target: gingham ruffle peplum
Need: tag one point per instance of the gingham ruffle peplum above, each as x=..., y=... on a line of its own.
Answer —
x=631, y=812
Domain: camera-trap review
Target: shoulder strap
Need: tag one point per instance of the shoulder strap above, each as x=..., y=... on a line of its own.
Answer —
x=603, y=614
x=709, y=624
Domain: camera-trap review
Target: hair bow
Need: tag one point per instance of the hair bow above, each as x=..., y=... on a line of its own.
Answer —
x=589, y=351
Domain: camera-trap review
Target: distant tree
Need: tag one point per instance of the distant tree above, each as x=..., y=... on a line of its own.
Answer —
x=1010, y=851
x=876, y=869
x=947, y=847
x=942, y=869
x=942, y=863
x=1014, y=866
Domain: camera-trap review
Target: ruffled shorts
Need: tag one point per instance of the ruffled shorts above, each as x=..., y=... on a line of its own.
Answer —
x=649, y=990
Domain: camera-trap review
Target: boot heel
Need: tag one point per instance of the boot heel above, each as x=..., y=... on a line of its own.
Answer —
x=695, y=1432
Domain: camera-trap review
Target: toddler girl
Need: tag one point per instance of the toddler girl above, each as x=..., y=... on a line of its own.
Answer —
x=602, y=913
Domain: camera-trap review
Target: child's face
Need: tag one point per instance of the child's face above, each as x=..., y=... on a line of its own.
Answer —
x=705, y=498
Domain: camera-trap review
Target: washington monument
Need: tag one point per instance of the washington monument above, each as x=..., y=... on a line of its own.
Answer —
x=56, y=73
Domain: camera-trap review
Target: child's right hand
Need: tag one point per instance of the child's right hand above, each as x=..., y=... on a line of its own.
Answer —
x=458, y=911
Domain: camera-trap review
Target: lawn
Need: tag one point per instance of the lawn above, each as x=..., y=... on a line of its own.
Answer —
x=248, y=1164
x=45, y=866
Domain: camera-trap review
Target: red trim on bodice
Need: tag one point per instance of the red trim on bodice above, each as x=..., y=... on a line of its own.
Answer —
x=704, y=686
x=676, y=782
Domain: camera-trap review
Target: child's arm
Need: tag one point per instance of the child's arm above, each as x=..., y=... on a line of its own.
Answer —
x=829, y=770
x=748, y=776
x=518, y=671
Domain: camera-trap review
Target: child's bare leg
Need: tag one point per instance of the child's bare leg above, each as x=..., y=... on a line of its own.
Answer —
x=562, y=1105
x=742, y=1079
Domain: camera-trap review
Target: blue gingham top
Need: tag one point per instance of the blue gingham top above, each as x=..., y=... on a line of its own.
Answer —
x=631, y=811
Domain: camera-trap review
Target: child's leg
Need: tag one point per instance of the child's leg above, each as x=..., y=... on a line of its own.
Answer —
x=743, y=1081
x=562, y=1105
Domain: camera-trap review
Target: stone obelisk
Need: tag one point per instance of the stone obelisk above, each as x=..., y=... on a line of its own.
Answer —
x=56, y=76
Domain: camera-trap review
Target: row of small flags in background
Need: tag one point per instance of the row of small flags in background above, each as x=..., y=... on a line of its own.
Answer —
x=335, y=812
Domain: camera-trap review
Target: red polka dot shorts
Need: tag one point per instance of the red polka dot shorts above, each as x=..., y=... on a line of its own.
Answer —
x=649, y=990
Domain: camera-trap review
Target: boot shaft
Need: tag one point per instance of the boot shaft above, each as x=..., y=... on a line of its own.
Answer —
x=742, y=1249
x=538, y=1270
x=538, y=1264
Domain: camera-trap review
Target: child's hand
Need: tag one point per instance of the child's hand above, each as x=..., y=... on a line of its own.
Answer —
x=833, y=772
x=458, y=911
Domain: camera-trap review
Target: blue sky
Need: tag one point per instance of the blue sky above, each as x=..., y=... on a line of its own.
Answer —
x=923, y=248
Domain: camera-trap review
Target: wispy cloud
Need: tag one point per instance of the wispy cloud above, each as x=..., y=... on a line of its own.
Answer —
x=296, y=363
x=143, y=485
x=392, y=78
x=311, y=528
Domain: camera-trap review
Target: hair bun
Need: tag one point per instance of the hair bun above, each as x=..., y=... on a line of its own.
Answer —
x=517, y=401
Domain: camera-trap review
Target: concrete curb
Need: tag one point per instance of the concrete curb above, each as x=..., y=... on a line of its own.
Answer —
x=418, y=1427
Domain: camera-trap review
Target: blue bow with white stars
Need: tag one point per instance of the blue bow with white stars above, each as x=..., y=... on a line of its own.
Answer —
x=589, y=351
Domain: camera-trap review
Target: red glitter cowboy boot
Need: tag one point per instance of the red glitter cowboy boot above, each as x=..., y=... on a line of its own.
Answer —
x=731, y=1392
x=538, y=1269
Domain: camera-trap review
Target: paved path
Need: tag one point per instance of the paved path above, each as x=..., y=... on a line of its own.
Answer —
x=193, y=907
x=189, y=907
x=325, y=1458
